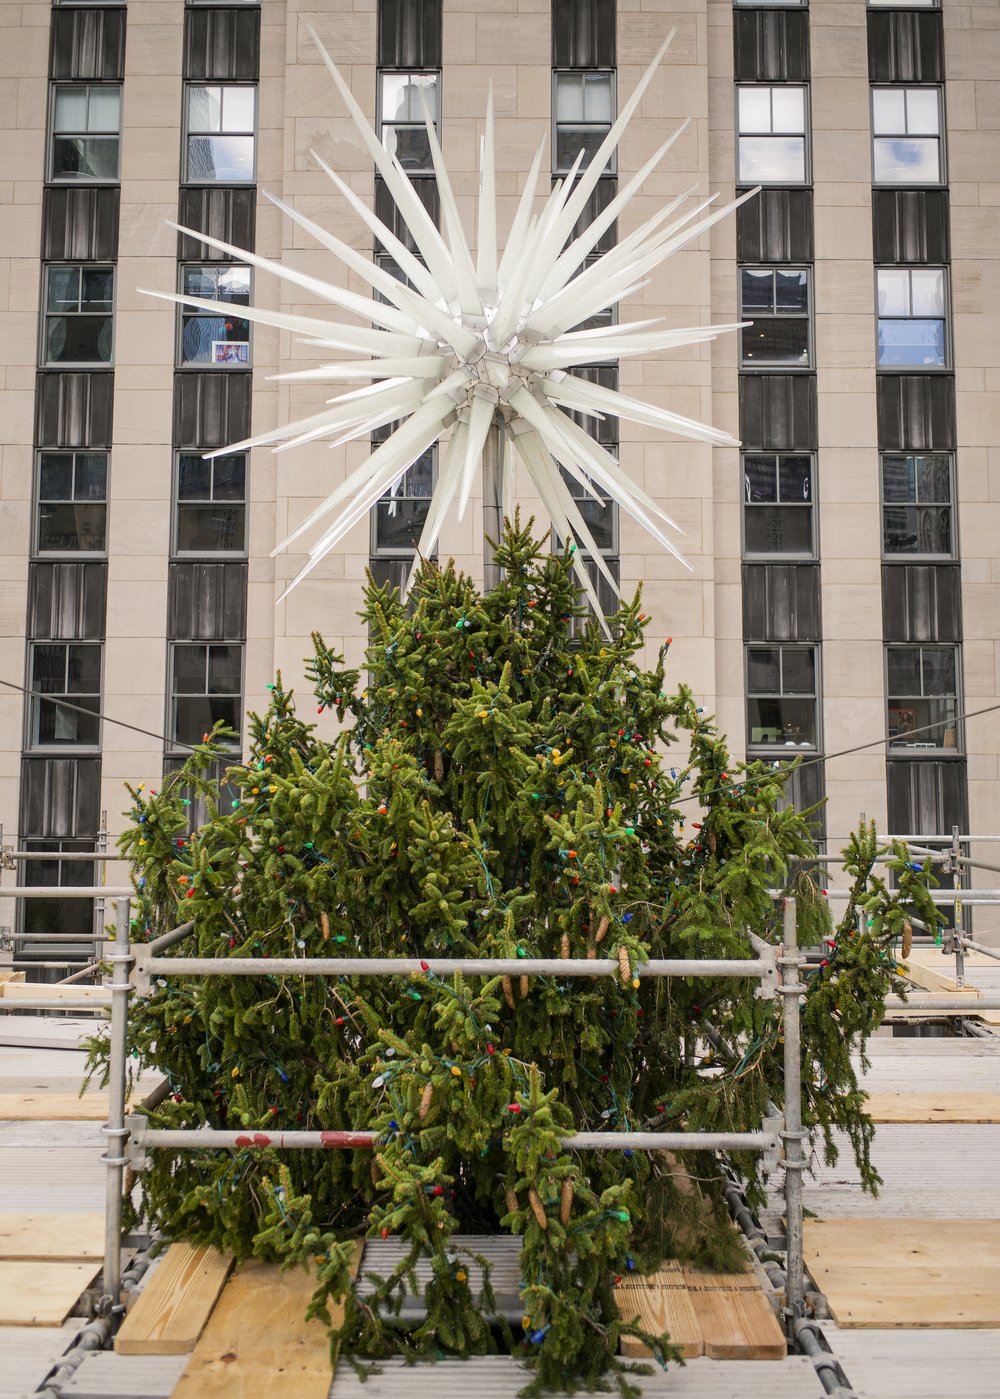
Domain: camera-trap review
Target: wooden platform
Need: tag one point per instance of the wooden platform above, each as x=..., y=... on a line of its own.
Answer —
x=257, y=1342
x=53, y=1107
x=724, y=1316
x=170, y=1313
x=41, y=1294
x=934, y=1107
x=52, y=1238
x=910, y=1273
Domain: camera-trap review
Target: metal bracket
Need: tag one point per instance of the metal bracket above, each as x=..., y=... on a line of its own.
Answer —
x=948, y=941
x=771, y=1156
x=135, y=1148
x=140, y=975
x=767, y=989
x=7, y=861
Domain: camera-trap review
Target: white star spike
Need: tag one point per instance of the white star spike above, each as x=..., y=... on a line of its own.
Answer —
x=472, y=343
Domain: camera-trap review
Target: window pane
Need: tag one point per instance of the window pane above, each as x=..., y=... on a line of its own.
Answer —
x=922, y=111
x=210, y=529
x=757, y=288
x=194, y=477
x=792, y=290
x=70, y=109
x=773, y=159
x=902, y=160
x=226, y=159
x=55, y=723
x=597, y=97
x=918, y=529
x=204, y=108
x=234, y=285
x=225, y=668
x=912, y=344
x=789, y=722
x=237, y=109
x=760, y=478
x=190, y=670
x=888, y=110
x=903, y=671
x=571, y=140
x=404, y=95
x=933, y=478
x=83, y=670
x=754, y=109
x=68, y=528
x=788, y=109
x=569, y=97
x=927, y=291
x=200, y=281
x=91, y=481
x=939, y=670
x=229, y=478
x=398, y=523
x=78, y=340
x=55, y=476
x=798, y=672
x=63, y=289
x=97, y=288
x=105, y=109
x=48, y=669
x=899, y=478
x=777, y=529
x=410, y=145
x=795, y=479
x=893, y=292
x=777, y=340
x=763, y=670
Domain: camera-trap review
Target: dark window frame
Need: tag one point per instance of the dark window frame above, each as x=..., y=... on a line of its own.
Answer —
x=925, y=745
x=55, y=88
x=210, y=502
x=610, y=171
x=32, y=710
x=391, y=497
x=193, y=314
x=188, y=132
x=774, y=365
x=939, y=136
x=48, y=316
x=806, y=135
x=72, y=453
x=912, y=270
x=783, y=555
x=174, y=741
x=917, y=555
x=760, y=747
x=417, y=123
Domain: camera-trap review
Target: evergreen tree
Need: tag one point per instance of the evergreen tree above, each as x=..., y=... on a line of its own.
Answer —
x=502, y=786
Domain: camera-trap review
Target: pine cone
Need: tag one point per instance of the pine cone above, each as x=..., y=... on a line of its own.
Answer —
x=425, y=1100
x=512, y=1201
x=566, y=1203
x=538, y=1210
x=564, y=945
x=602, y=929
x=524, y=988
x=438, y=765
x=508, y=991
x=907, y=946
x=324, y=922
x=625, y=966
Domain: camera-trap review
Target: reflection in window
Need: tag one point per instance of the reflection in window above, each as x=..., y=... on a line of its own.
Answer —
x=778, y=503
x=220, y=135
x=776, y=302
x=212, y=337
x=72, y=502
x=911, y=318
x=781, y=696
x=906, y=135
x=922, y=696
x=69, y=671
x=86, y=122
x=771, y=125
x=206, y=689
x=211, y=504
x=401, y=513
x=916, y=504
x=406, y=100
x=79, y=301
x=584, y=111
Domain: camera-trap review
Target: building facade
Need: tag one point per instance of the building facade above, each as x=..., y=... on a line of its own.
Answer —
x=845, y=587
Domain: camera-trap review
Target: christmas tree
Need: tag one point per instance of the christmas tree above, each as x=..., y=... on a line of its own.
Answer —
x=510, y=783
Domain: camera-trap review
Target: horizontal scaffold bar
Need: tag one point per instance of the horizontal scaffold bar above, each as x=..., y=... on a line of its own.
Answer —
x=967, y=1004
x=440, y=966
x=64, y=891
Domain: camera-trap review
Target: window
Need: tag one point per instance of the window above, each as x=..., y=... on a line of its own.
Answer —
x=79, y=301
x=781, y=696
x=70, y=671
x=584, y=109
x=778, y=504
x=771, y=124
x=72, y=503
x=776, y=302
x=86, y=126
x=211, y=504
x=906, y=136
x=917, y=504
x=220, y=135
x=399, y=515
x=403, y=119
x=54, y=915
x=211, y=337
x=911, y=318
x=206, y=688
x=922, y=696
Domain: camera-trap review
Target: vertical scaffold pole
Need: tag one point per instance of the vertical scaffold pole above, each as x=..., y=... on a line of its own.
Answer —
x=114, y=1130
x=793, y=1135
x=956, y=884
x=493, y=501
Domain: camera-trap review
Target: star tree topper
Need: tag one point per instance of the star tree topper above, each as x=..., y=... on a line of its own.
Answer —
x=475, y=343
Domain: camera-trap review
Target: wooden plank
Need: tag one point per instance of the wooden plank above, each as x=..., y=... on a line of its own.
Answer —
x=257, y=1341
x=735, y=1317
x=659, y=1303
x=929, y=979
x=52, y=1237
x=53, y=1107
x=912, y=1297
x=171, y=1310
x=921, y=1243
x=41, y=1294
x=11, y=979
x=934, y=1107
x=21, y=991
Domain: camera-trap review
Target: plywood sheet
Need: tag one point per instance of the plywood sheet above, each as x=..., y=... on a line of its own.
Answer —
x=41, y=1294
x=659, y=1303
x=257, y=1342
x=934, y=1107
x=52, y=1237
x=931, y=979
x=735, y=1317
x=53, y=1107
x=32, y=990
x=171, y=1311
x=907, y=1272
